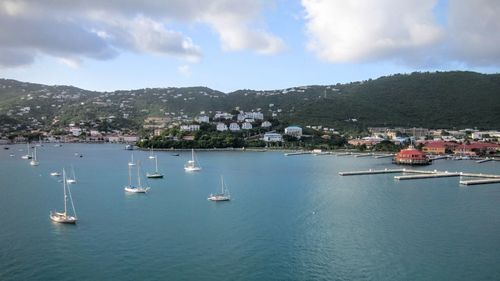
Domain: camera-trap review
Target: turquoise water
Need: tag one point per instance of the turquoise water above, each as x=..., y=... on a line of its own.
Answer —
x=290, y=218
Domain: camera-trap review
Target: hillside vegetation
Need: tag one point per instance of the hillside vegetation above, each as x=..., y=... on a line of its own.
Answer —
x=433, y=100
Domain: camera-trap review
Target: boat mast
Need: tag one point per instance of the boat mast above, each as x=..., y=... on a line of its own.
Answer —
x=156, y=164
x=129, y=176
x=73, y=171
x=138, y=176
x=71, y=200
x=34, y=155
x=222, y=183
x=65, y=196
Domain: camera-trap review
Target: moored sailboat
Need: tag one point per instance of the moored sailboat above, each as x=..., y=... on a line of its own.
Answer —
x=64, y=217
x=192, y=165
x=34, y=161
x=155, y=174
x=223, y=195
x=135, y=189
x=72, y=180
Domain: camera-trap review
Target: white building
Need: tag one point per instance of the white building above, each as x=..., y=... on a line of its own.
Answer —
x=293, y=131
x=130, y=138
x=233, y=127
x=203, y=119
x=221, y=127
x=190, y=128
x=266, y=124
x=246, y=126
x=255, y=115
x=223, y=115
x=75, y=131
x=272, y=137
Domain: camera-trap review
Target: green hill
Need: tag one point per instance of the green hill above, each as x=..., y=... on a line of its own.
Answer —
x=433, y=100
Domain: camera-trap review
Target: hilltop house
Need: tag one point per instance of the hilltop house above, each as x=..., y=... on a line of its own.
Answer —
x=246, y=126
x=221, y=127
x=266, y=124
x=233, y=127
x=293, y=131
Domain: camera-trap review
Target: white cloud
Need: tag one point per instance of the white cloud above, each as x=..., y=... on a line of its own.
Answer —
x=357, y=30
x=404, y=31
x=474, y=31
x=98, y=29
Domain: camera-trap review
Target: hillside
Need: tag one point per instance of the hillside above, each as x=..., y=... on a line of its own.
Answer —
x=433, y=100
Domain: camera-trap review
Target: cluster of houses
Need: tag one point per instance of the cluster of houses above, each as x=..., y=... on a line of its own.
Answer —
x=469, y=142
x=225, y=121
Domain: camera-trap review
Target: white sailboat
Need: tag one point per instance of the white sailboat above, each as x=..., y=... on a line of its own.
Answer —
x=155, y=174
x=61, y=217
x=151, y=155
x=27, y=156
x=34, y=161
x=72, y=180
x=131, y=163
x=135, y=189
x=223, y=195
x=192, y=165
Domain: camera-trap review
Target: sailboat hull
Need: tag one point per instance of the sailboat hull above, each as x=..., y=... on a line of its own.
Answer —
x=218, y=198
x=62, y=218
x=136, y=189
x=154, y=176
x=192, y=169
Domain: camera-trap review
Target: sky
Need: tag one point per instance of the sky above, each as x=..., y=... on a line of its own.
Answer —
x=241, y=44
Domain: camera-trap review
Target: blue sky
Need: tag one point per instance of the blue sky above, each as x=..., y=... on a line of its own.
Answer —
x=241, y=44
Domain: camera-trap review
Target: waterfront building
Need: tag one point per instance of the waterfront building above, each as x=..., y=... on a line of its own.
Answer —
x=411, y=156
x=272, y=137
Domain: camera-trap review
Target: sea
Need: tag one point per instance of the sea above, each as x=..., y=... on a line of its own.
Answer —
x=289, y=218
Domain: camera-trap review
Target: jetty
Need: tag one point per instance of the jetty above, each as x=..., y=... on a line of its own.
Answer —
x=298, y=153
x=424, y=174
x=378, y=156
x=483, y=181
x=371, y=172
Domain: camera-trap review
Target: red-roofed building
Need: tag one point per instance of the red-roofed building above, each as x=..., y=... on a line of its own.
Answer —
x=477, y=148
x=438, y=147
x=411, y=156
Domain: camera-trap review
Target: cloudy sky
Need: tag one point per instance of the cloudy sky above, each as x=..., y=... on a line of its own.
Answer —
x=241, y=44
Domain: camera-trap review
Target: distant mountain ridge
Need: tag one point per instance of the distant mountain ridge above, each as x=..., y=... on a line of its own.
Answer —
x=434, y=100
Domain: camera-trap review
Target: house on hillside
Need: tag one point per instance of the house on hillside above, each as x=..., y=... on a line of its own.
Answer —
x=234, y=127
x=272, y=137
x=293, y=131
x=221, y=127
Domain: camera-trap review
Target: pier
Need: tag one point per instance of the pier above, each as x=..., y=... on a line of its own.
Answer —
x=371, y=172
x=427, y=176
x=483, y=181
x=422, y=174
